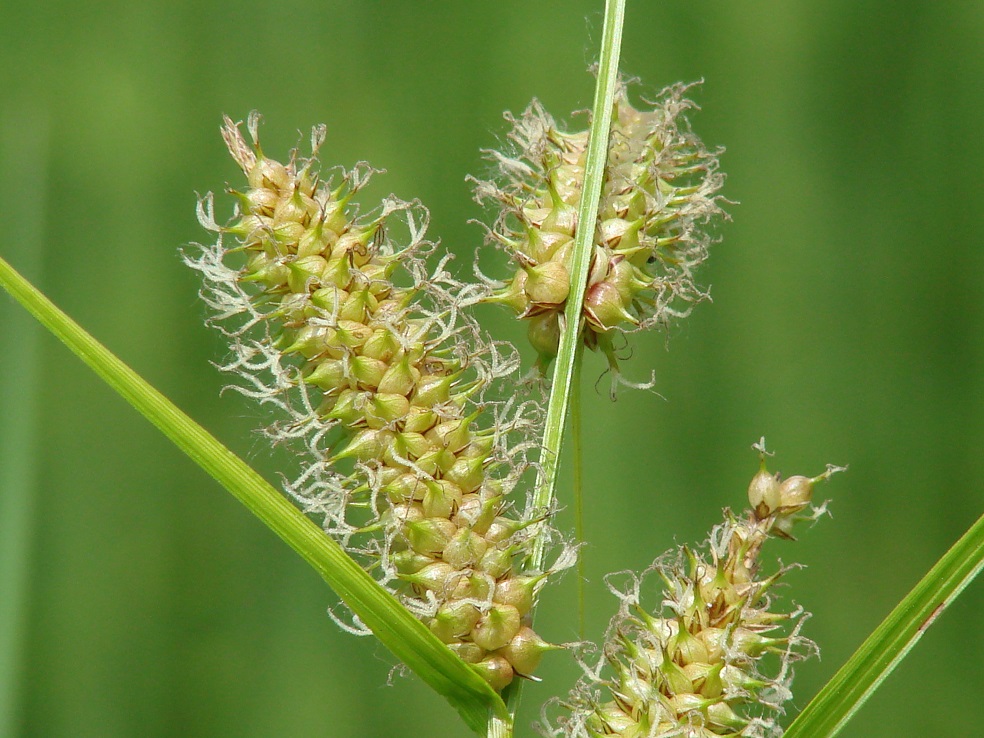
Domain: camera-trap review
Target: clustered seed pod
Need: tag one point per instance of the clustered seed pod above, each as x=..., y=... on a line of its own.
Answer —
x=693, y=668
x=385, y=383
x=658, y=195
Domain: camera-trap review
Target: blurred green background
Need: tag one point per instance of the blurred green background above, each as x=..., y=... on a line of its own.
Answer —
x=138, y=599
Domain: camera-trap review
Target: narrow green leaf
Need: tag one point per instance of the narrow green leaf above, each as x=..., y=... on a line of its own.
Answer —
x=408, y=638
x=587, y=217
x=878, y=656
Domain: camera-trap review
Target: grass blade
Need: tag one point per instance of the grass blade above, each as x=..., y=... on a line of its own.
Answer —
x=878, y=656
x=408, y=638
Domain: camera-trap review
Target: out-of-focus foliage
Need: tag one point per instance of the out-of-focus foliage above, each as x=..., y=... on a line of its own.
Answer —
x=846, y=326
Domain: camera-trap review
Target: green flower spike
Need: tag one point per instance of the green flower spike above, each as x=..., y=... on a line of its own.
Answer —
x=384, y=379
x=696, y=667
x=657, y=199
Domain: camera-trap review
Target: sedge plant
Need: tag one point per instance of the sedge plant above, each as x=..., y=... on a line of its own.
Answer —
x=425, y=492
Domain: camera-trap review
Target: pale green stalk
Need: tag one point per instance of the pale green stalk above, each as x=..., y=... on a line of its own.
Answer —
x=404, y=635
x=847, y=691
x=578, y=453
x=23, y=148
x=570, y=340
x=587, y=217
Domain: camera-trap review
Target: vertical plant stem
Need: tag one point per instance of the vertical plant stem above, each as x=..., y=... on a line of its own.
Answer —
x=499, y=728
x=577, y=448
x=587, y=217
x=23, y=145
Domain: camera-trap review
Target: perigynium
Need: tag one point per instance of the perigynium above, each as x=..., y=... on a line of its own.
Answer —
x=657, y=203
x=713, y=655
x=381, y=373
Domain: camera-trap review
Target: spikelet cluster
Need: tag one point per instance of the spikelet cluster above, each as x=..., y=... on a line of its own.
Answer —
x=697, y=666
x=385, y=380
x=657, y=198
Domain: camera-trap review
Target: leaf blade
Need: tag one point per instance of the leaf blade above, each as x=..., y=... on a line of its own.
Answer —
x=405, y=636
x=830, y=710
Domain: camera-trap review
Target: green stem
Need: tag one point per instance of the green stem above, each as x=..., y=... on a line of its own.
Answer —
x=882, y=651
x=577, y=449
x=23, y=149
x=499, y=728
x=408, y=638
x=570, y=340
x=587, y=218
